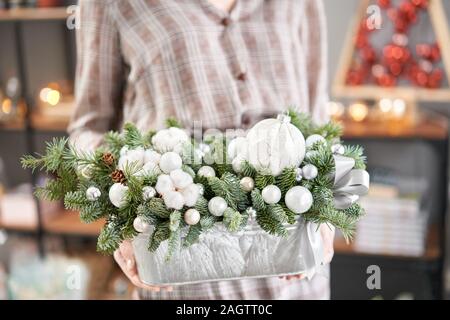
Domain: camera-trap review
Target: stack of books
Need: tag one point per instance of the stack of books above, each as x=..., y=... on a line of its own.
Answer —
x=396, y=220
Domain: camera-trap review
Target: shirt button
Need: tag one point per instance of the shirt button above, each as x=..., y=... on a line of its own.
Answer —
x=226, y=21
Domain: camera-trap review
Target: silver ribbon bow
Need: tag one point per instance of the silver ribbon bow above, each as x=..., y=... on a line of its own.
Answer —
x=349, y=183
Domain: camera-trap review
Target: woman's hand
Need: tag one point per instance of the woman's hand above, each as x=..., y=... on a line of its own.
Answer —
x=327, y=232
x=124, y=257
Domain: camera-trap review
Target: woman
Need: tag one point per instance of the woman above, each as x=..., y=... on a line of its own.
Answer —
x=224, y=63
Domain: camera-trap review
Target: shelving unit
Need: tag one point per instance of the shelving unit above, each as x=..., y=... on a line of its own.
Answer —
x=34, y=14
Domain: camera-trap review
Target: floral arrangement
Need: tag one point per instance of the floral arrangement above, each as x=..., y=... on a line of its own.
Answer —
x=175, y=188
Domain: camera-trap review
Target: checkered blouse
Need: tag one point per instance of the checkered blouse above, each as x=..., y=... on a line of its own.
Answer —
x=142, y=61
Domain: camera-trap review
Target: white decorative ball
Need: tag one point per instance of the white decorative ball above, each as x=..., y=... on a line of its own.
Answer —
x=191, y=194
x=152, y=156
x=169, y=140
x=275, y=144
x=298, y=174
x=338, y=149
x=148, y=193
x=310, y=172
x=140, y=225
x=247, y=184
x=133, y=158
x=237, y=146
x=117, y=194
x=298, y=199
x=164, y=184
x=217, y=206
x=313, y=139
x=271, y=194
x=170, y=161
x=173, y=200
x=206, y=172
x=201, y=189
x=192, y=217
x=181, y=179
x=93, y=193
x=237, y=163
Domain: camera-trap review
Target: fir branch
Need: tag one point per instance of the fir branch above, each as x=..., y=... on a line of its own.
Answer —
x=175, y=220
x=277, y=212
x=193, y=235
x=247, y=170
x=207, y=222
x=173, y=123
x=357, y=153
x=270, y=224
x=331, y=131
x=262, y=181
x=157, y=208
x=109, y=239
x=202, y=206
x=114, y=142
x=286, y=180
x=232, y=219
x=160, y=234
x=134, y=138
x=174, y=243
x=302, y=121
x=257, y=201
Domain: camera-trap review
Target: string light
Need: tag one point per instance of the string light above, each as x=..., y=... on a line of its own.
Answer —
x=335, y=109
x=358, y=111
x=50, y=96
x=7, y=106
x=385, y=105
x=399, y=107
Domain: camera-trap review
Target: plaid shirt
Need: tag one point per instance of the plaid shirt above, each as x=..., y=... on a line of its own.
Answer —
x=142, y=61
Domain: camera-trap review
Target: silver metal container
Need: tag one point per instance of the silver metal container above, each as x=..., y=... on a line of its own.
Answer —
x=220, y=255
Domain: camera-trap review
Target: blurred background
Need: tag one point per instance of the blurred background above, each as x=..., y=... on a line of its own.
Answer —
x=389, y=63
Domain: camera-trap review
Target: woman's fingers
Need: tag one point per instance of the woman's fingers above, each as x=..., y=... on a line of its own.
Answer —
x=327, y=231
x=124, y=257
x=294, y=277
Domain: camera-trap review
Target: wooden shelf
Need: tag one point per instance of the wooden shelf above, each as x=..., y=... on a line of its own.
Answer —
x=34, y=14
x=427, y=127
x=64, y=223
x=432, y=250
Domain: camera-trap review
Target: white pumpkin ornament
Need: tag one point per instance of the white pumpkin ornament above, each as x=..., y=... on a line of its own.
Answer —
x=140, y=225
x=170, y=161
x=217, y=206
x=275, y=144
x=298, y=199
x=206, y=172
x=93, y=193
x=313, y=139
x=271, y=194
x=117, y=194
x=148, y=193
x=192, y=217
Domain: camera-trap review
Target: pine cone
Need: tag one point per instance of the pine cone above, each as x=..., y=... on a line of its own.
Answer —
x=118, y=176
x=108, y=159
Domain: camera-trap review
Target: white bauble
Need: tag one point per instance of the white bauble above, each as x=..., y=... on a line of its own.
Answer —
x=181, y=179
x=164, y=184
x=192, y=217
x=170, y=161
x=169, y=140
x=148, y=193
x=134, y=158
x=217, y=206
x=237, y=146
x=152, y=156
x=140, y=225
x=191, y=194
x=93, y=193
x=313, y=139
x=117, y=194
x=275, y=144
x=298, y=199
x=271, y=194
x=173, y=200
x=237, y=163
x=247, y=184
x=206, y=172
x=310, y=172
